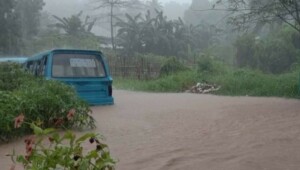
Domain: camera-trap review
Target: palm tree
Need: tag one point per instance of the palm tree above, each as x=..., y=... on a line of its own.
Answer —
x=113, y=5
x=162, y=36
x=73, y=25
x=130, y=33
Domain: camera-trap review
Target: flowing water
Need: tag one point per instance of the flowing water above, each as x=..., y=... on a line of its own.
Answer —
x=149, y=131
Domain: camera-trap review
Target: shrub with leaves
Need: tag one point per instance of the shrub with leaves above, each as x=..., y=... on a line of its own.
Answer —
x=52, y=100
x=48, y=149
x=205, y=64
x=46, y=103
x=12, y=76
x=172, y=66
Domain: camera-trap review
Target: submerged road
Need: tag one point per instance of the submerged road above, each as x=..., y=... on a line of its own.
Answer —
x=150, y=131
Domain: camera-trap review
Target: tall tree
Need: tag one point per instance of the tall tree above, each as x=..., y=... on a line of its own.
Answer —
x=112, y=5
x=74, y=26
x=249, y=12
x=161, y=36
x=130, y=33
x=10, y=41
x=30, y=12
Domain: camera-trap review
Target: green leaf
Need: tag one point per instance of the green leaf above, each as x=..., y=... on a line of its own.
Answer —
x=49, y=130
x=70, y=136
x=93, y=154
x=85, y=137
x=56, y=137
x=21, y=159
x=37, y=130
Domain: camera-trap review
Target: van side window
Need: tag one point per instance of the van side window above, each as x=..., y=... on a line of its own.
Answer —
x=36, y=67
x=30, y=67
x=42, y=66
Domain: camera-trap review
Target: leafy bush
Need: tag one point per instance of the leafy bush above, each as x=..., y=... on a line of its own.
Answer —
x=12, y=76
x=47, y=149
x=46, y=103
x=234, y=82
x=173, y=83
x=206, y=65
x=274, y=54
x=245, y=55
x=53, y=99
x=172, y=66
x=242, y=82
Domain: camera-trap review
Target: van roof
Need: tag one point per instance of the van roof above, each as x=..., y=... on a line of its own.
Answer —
x=40, y=55
x=13, y=59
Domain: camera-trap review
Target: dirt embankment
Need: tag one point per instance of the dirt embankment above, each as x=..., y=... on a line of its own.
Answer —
x=189, y=131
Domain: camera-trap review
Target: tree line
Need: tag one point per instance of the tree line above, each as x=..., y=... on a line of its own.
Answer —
x=19, y=20
x=260, y=34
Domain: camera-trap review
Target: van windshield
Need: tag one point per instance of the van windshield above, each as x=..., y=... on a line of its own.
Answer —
x=77, y=65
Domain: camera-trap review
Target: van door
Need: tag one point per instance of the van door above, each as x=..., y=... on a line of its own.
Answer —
x=86, y=73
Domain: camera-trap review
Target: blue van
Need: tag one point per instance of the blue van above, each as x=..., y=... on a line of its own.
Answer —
x=85, y=70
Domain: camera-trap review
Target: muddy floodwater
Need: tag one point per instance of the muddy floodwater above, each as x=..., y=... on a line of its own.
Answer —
x=148, y=131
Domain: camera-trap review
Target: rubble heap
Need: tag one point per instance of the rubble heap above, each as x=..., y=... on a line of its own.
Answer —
x=204, y=88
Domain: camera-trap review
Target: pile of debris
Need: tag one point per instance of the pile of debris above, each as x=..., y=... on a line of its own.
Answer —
x=204, y=88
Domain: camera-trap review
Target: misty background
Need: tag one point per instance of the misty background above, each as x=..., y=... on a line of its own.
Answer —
x=172, y=9
x=260, y=35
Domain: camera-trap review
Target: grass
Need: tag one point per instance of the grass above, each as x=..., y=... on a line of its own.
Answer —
x=173, y=83
x=234, y=82
x=254, y=83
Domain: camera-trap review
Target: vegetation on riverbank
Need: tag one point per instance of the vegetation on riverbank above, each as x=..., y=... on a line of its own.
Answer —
x=45, y=103
x=236, y=82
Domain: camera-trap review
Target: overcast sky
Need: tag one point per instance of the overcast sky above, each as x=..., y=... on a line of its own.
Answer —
x=179, y=1
x=165, y=1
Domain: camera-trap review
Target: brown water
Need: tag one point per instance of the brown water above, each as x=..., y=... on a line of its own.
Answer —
x=147, y=131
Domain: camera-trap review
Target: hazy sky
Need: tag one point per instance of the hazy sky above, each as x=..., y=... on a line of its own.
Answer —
x=179, y=1
x=165, y=1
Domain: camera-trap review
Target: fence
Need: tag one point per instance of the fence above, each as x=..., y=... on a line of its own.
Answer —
x=137, y=68
x=142, y=68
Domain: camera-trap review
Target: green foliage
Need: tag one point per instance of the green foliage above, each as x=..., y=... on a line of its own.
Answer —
x=172, y=66
x=205, y=64
x=29, y=13
x=74, y=26
x=19, y=21
x=223, y=52
x=243, y=81
x=245, y=46
x=274, y=54
x=112, y=5
x=276, y=11
x=47, y=103
x=255, y=83
x=173, y=83
x=160, y=36
x=10, y=41
x=52, y=100
x=48, y=149
x=234, y=82
x=130, y=30
x=12, y=76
